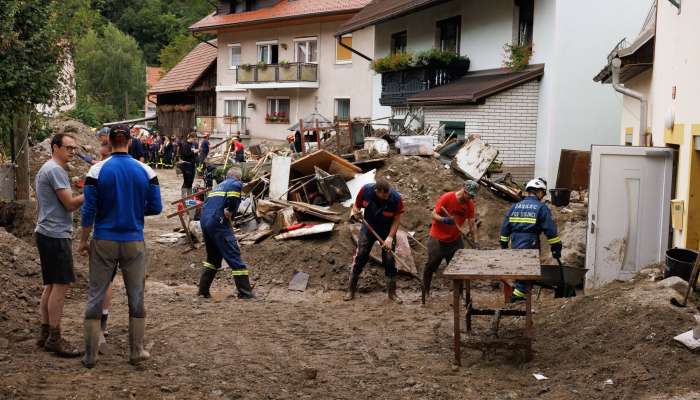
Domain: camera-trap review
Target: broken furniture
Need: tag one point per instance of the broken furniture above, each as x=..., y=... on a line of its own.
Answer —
x=489, y=265
x=182, y=209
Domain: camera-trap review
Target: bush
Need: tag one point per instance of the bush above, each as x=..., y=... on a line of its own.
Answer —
x=517, y=56
x=434, y=58
x=91, y=113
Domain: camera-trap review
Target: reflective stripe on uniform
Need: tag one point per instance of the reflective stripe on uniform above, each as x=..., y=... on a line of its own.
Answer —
x=239, y=272
x=233, y=194
x=522, y=220
x=505, y=238
x=554, y=240
x=518, y=293
x=229, y=194
x=209, y=265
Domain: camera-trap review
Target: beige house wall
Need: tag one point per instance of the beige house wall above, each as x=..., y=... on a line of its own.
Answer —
x=336, y=80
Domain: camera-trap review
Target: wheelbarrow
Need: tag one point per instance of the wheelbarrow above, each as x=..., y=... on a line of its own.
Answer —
x=561, y=278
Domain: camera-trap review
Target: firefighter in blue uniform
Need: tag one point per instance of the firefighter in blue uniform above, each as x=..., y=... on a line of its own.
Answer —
x=218, y=211
x=524, y=223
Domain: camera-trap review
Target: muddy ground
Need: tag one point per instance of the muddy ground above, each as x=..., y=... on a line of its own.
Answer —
x=312, y=345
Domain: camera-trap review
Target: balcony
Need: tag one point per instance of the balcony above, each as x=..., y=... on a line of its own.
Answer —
x=277, y=76
x=397, y=86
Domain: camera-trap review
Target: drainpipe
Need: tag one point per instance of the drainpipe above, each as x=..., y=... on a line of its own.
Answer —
x=616, y=64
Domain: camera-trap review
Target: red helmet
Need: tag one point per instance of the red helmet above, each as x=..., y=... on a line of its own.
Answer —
x=290, y=137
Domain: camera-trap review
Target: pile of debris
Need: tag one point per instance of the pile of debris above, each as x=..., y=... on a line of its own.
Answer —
x=88, y=145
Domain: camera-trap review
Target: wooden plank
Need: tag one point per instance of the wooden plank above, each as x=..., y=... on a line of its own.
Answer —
x=321, y=159
x=494, y=264
x=279, y=178
x=312, y=230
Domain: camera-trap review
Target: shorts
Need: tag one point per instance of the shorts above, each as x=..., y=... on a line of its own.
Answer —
x=56, y=257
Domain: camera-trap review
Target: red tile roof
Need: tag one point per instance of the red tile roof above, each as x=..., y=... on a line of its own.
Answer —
x=186, y=73
x=283, y=10
x=152, y=76
x=383, y=10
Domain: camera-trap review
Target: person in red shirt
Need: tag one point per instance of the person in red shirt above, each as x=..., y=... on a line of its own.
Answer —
x=452, y=211
x=238, y=149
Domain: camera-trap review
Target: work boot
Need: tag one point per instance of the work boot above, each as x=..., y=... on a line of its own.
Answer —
x=43, y=335
x=205, y=281
x=352, y=288
x=103, y=324
x=391, y=290
x=427, y=281
x=59, y=346
x=243, y=285
x=137, y=353
x=92, y=333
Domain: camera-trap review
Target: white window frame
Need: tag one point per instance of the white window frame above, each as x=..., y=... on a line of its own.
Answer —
x=307, y=40
x=335, y=106
x=269, y=44
x=336, y=50
x=230, y=55
x=241, y=107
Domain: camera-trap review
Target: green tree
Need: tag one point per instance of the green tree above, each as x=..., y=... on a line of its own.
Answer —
x=110, y=71
x=175, y=51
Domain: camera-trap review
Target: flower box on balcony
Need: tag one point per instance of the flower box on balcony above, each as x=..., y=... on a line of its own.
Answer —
x=277, y=118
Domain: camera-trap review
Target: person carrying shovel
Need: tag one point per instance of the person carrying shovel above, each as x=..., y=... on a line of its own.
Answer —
x=383, y=207
x=452, y=211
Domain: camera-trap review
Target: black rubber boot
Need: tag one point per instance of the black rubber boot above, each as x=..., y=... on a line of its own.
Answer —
x=352, y=287
x=391, y=290
x=243, y=286
x=205, y=281
x=427, y=281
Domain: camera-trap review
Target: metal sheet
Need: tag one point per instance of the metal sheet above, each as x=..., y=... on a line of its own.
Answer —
x=574, y=169
x=279, y=179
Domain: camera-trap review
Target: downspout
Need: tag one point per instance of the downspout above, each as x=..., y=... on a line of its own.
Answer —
x=616, y=64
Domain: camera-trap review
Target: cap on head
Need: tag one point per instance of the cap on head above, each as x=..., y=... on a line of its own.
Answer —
x=537, y=184
x=119, y=129
x=104, y=131
x=471, y=187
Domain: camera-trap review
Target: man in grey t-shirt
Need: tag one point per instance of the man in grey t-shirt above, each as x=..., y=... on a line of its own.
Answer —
x=54, y=232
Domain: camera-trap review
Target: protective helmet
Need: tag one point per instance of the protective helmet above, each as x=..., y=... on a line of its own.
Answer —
x=290, y=137
x=471, y=187
x=537, y=184
x=104, y=131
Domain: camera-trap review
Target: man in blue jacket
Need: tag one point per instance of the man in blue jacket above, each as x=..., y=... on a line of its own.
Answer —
x=383, y=207
x=218, y=211
x=119, y=192
x=525, y=222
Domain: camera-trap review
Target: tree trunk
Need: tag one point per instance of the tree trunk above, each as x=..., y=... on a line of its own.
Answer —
x=21, y=146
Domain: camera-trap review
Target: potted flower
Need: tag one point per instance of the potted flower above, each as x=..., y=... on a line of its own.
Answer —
x=285, y=64
x=517, y=56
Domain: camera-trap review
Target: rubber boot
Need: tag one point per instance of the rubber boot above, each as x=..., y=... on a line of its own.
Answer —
x=92, y=342
x=56, y=344
x=205, y=281
x=137, y=353
x=352, y=288
x=391, y=290
x=427, y=281
x=243, y=286
x=43, y=335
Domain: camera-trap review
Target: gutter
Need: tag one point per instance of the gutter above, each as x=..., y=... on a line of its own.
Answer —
x=340, y=42
x=616, y=64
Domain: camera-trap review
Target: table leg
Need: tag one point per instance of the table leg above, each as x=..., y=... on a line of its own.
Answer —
x=468, y=304
x=456, y=294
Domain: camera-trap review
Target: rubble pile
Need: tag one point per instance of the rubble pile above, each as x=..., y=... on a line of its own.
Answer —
x=20, y=287
x=19, y=218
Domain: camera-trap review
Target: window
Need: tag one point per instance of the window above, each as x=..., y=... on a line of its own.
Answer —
x=448, y=32
x=398, y=42
x=234, y=108
x=526, y=12
x=342, y=54
x=342, y=109
x=306, y=50
x=277, y=110
x=453, y=129
x=268, y=52
x=235, y=55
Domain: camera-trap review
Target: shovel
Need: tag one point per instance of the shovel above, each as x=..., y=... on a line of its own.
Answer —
x=691, y=285
x=563, y=289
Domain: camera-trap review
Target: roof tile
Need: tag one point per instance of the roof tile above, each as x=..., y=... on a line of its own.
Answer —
x=188, y=70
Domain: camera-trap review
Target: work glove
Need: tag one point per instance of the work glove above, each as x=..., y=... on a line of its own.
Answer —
x=85, y=158
x=448, y=220
x=556, y=250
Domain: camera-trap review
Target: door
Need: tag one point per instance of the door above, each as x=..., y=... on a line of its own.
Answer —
x=629, y=211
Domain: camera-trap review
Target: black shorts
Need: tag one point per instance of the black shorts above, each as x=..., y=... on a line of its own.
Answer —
x=56, y=257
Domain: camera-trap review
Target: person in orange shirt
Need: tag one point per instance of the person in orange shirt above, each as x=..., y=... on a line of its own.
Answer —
x=452, y=211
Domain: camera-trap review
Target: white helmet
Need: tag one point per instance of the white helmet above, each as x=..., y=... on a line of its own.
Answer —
x=537, y=183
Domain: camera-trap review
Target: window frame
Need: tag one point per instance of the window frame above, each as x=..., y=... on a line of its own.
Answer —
x=277, y=99
x=231, y=46
x=335, y=108
x=241, y=108
x=404, y=34
x=306, y=40
x=338, y=46
x=268, y=44
x=438, y=31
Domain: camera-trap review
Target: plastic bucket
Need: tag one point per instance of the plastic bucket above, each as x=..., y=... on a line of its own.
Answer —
x=679, y=262
x=560, y=197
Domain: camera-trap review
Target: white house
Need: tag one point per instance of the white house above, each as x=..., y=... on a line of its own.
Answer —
x=531, y=115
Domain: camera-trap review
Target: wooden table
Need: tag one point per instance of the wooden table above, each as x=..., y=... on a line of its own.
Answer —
x=468, y=265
